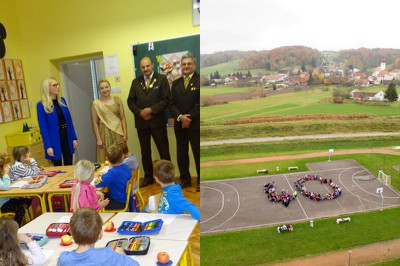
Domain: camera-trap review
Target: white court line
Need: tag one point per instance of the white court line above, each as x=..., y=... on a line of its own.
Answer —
x=238, y=198
x=297, y=199
x=222, y=206
x=373, y=194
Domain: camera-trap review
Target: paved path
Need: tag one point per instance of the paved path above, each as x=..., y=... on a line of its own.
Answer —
x=320, y=136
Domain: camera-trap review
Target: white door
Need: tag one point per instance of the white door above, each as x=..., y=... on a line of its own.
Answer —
x=79, y=91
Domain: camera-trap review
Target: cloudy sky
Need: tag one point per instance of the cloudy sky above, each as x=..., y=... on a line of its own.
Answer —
x=324, y=25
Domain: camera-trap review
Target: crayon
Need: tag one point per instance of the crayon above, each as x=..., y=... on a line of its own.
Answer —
x=136, y=227
x=144, y=244
x=133, y=245
x=138, y=244
x=114, y=244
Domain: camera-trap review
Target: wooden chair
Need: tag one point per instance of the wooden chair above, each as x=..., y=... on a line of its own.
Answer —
x=129, y=187
x=135, y=189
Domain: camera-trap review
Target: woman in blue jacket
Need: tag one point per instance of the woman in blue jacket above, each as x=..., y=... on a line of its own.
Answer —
x=55, y=122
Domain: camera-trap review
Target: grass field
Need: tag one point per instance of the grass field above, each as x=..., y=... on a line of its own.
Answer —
x=222, y=89
x=265, y=245
x=227, y=68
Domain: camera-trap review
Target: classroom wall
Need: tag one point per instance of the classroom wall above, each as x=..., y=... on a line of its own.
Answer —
x=43, y=33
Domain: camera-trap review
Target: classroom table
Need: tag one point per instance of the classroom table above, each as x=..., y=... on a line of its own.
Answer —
x=52, y=249
x=41, y=191
x=175, y=226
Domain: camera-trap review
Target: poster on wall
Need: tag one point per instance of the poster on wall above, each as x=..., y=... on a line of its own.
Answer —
x=170, y=65
x=13, y=94
x=196, y=12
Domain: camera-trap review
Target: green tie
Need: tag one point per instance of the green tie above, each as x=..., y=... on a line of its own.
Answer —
x=187, y=79
x=148, y=82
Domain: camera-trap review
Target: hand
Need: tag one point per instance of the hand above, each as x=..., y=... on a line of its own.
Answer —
x=75, y=143
x=103, y=203
x=100, y=195
x=125, y=138
x=185, y=119
x=145, y=112
x=119, y=250
x=50, y=151
x=100, y=144
x=6, y=169
x=24, y=238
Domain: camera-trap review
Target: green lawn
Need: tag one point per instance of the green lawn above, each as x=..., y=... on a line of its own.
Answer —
x=265, y=245
x=265, y=149
x=394, y=262
x=228, y=68
x=222, y=89
x=316, y=101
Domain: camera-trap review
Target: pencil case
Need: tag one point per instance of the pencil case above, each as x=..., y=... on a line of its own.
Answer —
x=137, y=245
x=39, y=238
x=58, y=229
x=67, y=183
x=138, y=228
x=36, y=181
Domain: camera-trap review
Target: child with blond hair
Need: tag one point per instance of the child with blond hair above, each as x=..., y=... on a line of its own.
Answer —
x=83, y=193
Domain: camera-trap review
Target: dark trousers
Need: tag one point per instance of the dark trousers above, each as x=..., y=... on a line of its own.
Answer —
x=160, y=138
x=184, y=136
x=16, y=205
x=114, y=204
x=66, y=154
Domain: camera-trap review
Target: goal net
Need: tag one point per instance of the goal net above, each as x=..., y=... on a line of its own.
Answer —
x=384, y=177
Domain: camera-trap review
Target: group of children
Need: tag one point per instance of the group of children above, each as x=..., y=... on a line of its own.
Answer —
x=86, y=201
x=299, y=184
x=273, y=196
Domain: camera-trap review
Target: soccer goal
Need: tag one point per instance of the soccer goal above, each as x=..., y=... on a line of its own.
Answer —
x=384, y=177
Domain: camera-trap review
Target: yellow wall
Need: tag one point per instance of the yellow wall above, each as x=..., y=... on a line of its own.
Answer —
x=41, y=32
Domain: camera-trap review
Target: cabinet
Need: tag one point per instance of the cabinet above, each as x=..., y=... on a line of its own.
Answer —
x=37, y=152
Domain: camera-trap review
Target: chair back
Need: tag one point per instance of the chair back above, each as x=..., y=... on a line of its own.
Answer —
x=128, y=190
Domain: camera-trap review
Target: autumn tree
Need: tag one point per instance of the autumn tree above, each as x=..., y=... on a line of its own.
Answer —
x=391, y=93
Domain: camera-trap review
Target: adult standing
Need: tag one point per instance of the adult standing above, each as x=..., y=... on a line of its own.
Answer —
x=55, y=122
x=148, y=97
x=108, y=120
x=185, y=108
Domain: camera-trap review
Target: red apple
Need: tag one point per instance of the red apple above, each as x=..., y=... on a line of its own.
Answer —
x=66, y=239
x=109, y=226
x=163, y=257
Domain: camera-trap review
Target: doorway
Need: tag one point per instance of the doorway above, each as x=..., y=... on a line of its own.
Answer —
x=79, y=80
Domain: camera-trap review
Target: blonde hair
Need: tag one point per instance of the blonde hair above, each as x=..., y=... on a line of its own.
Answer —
x=103, y=80
x=46, y=98
x=10, y=252
x=83, y=171
x=2, y=162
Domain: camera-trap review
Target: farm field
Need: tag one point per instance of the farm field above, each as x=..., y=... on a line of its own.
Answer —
x=227, y=68
x=222, y=89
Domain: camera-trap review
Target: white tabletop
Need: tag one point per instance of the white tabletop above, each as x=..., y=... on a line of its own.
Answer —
x=175, y=226
x=40, y=223
x=53, y=249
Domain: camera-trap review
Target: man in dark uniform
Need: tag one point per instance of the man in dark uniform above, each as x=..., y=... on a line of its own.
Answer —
x=148, y=97
x=185, y=108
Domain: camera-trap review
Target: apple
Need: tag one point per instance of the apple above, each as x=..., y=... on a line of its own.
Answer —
x=109, y=226
x=66, y=240
x=163, y=257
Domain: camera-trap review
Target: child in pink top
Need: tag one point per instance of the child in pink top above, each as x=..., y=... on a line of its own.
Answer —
x=84, y=194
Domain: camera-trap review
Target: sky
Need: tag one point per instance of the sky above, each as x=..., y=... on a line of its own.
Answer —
x=320, y=24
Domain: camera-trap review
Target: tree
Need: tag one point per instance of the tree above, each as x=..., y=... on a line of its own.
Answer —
x=391, y=93
x=303, y=66
x=268, y=66
x=216, y=75
x=313, y=62
x=248, y=74
x=211, y=76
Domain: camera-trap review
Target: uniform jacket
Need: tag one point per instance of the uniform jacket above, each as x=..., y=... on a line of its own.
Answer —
x=186, y=101
x=156, y=97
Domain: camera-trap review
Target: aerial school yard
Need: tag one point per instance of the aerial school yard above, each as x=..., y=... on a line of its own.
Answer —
x=238, y=221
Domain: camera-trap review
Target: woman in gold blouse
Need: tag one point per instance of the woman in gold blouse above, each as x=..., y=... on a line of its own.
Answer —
x=108, y=119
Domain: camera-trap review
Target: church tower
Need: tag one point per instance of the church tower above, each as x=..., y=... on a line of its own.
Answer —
x=383, y=64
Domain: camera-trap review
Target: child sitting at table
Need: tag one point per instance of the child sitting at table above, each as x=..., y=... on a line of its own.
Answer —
x=172, y=200
x=8, y=204
x=10, y=251
x=86, y=229
x=20, y=168
x=128, y=157
x=83, y=193
x=116, y=178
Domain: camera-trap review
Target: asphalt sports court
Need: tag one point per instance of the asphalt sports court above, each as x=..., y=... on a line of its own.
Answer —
x=238, y=204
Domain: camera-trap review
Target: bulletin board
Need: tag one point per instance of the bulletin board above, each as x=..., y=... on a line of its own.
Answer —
x=166, y=54
x=13, y=94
